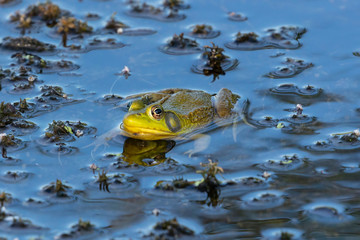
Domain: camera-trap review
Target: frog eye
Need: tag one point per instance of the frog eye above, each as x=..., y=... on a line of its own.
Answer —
x=157, y=112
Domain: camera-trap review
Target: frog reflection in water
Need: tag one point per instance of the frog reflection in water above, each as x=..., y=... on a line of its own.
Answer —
x=176, y=113
x=136, y=151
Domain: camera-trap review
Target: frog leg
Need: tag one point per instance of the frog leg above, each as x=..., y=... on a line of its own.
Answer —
x=224, y=102
x=243, y=113
x=201, y=142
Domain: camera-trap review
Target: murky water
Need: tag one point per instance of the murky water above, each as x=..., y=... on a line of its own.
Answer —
x=291, y=175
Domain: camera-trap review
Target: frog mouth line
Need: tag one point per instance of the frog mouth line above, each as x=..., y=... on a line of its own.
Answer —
x=145, y=133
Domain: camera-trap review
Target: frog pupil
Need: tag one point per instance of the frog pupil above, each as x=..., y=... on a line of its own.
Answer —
x=157, y=111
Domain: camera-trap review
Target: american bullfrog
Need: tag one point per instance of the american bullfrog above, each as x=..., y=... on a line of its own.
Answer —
x=173, y=113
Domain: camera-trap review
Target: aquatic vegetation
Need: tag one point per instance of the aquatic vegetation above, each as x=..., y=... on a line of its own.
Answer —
x=4, y=198
x=70, y=25
x=24, y=22
x=235, y=16
x=57, y=129
x=175, y=4
x=287, y=163
x=8, y=114
x=204, y=31
x=82, y=228
x=66, y=131
x=214, y=62
x=326, y=212
x=209, y=181
x=170, y=229
x=95, y=43
x=179, y=45
x=14, y=176
x=22, y=223
x=282, y=234
x=285, y=37
x=167, y=13
x=177, y=183
x=113, y=183
x=3, y=2
x=261, y=200
x=43, y=66
x=9, y=142
x=103, y=181
x=26, y=44
x=338, y=142
x=114, y=24
x=57, y=189
x=294, y=94
x=53, y=95
x=48, y=12
x=293, y=68
x=109, y=99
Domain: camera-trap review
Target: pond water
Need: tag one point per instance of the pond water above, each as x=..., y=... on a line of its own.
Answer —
x=286, y=172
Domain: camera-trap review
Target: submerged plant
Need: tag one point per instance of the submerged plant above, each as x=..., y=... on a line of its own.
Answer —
x=210, y=184
x=246, y=37
x=4, y=198
x=68, y=25
x=214, y=59
x=103, y=181
x=179, y=41
x=57, y=188
x=202, y=29
x=64, y=26
x=352, y=136
x=173, y=4
x=172, y=229
x=115, y=24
